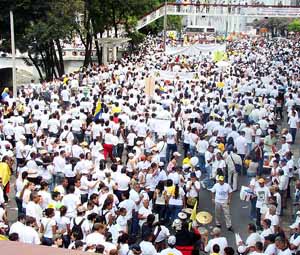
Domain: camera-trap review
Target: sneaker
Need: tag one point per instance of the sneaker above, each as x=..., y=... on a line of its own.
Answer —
x=230, y=229
x=218, y=226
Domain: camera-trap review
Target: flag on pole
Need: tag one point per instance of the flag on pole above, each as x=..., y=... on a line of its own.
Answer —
x=98, y=110
x=194, y=212
x=193, y=215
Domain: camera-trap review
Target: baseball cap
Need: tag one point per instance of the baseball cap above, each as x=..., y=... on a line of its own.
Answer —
x=216, y=231
x=172, y=240
x=176, y=153
x=220, y=178
x=161, y=163
x=294, y=225
x=81, y=209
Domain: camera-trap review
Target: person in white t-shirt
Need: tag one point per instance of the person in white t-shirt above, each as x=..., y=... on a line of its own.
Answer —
x=71, y=201
x=217, y=239
x=171, y=249
x=282, y=246
x=262, y=193
x=293, y=124
x=221, y=196
x=19, y=227
x=32, y=236
x=48, y=227
x=144, y=211
x=193, y=186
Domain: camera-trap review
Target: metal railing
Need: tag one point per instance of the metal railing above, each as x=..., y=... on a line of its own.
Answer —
x=256, y=11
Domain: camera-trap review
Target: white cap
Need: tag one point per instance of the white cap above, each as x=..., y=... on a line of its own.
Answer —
x=161, y=163
x=172, y=240
x=294, y=225
x=22, y=137
x=176, y=153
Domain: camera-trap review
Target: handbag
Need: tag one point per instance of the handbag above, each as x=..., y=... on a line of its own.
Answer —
x=237, y=167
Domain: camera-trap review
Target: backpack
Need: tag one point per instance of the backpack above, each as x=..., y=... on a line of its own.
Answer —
x=77, y=229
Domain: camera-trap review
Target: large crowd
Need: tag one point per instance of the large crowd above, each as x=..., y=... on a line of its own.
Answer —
x=102, y=166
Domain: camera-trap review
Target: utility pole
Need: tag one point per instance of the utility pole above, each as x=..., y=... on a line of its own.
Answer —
x=165, y=25
x=13, y=51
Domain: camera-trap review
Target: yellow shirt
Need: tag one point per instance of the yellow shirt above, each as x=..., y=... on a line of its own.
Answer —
x=171, y=190
x=116, y=110
x=247, y=162
x=186, y=161
x=221, y=147
x=4, y=173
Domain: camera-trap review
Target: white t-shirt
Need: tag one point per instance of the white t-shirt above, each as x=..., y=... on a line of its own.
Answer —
x=48, y=223
x=262, y=193
x=123, y=182
x=241, y=145
x=32, y=236
x=94, y=238
x=271, y=249
x=71, y=201
x=18, y=228
x=144, y=212
x=169, y=251
x=193, y=192
x=163, y=234
x=252, y=239
x=171, y=133
x=221, y=192
x=221, y=241
x=129, y=205
x=147, y=248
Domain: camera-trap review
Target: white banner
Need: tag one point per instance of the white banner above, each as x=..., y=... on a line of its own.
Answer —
x=196, y=49
x=169, y=75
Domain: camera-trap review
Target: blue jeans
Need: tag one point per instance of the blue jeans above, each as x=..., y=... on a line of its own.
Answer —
x=171, y=148
x=173, y=211
x=249, y=147
x=293, y=132
x=201, y=163
x=253, y=208
x=192, y=150
x=57, y=179
x=135, y=224
x=208, y=181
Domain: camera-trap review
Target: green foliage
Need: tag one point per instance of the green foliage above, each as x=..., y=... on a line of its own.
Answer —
x=294, y=26
x=173, y=23
x=40, y=26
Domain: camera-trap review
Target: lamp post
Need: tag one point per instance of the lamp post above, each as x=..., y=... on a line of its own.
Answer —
x=165, y=25
x=13, y=51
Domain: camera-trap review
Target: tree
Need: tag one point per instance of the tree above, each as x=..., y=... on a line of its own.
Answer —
x=41, y=26
x=276, y=26
x=294, y=26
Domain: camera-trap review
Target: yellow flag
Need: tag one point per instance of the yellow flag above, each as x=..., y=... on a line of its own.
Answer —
x=194, y=212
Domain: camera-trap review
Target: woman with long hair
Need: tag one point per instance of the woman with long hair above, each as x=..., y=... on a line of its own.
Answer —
x=25, y=194
x=176, y=201
x=160, y=197
x=20, y=183
x=63, y=226
x=48, y=227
